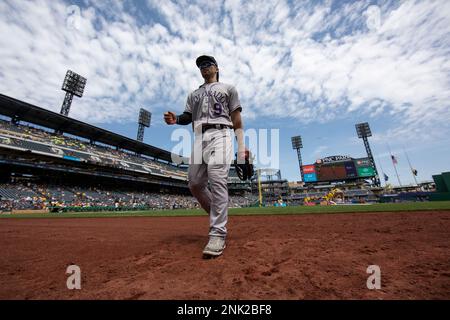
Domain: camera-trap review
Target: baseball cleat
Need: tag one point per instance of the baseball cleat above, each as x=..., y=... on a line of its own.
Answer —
x=214, y=248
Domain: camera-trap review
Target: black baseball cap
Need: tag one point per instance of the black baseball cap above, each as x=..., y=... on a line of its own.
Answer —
x=200, y=60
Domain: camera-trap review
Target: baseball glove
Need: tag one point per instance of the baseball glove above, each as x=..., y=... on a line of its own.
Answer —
x=244, y=167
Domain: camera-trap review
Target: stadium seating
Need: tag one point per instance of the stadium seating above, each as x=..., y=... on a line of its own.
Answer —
x=38, y=196
x=14, y=192
x=39, y=140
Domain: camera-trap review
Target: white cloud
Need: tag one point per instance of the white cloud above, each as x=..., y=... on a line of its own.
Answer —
x=319, y=151
x=304, y=60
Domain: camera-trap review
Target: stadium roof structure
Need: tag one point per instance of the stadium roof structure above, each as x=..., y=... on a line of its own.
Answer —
x=24, y=111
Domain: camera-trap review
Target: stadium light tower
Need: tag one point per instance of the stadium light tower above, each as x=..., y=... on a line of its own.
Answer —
x=144, y=121
x=297, y=145
x=363, y=131
x=73, y=85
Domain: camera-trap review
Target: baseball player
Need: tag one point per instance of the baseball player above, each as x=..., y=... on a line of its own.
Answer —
x=213, y=109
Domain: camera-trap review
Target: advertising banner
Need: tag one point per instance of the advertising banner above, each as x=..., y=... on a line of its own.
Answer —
x=363, y=162
x=366, y=172
x=310, y=177
x=309, y=169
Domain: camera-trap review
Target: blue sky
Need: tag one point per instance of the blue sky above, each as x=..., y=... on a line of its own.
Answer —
x=306, y=68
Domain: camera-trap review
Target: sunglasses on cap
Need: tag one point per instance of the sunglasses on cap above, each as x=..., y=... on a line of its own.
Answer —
x=206, y=64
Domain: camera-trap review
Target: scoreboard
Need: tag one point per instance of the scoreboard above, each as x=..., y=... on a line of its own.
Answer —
x=338, y=168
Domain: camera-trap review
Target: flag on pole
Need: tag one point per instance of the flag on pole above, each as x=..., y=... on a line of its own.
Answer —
x=386, y=178
x=394, y=160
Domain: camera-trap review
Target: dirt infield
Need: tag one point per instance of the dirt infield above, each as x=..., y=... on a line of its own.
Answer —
x=268, y=257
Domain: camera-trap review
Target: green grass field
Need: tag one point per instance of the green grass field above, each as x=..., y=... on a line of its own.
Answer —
x=382, y=207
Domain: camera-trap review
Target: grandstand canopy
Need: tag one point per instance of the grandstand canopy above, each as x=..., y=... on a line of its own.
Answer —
x=11, y=107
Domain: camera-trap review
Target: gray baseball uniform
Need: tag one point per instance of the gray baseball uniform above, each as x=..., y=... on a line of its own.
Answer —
x=213, y=103
x=212, y=154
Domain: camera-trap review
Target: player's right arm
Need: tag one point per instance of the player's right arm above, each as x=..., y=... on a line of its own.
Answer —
x=184, y=119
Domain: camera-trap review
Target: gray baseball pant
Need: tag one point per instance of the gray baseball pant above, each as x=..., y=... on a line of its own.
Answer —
x=211, y=159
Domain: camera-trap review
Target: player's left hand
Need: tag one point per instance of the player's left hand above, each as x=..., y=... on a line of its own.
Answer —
x=244, y=165
x=243, y=154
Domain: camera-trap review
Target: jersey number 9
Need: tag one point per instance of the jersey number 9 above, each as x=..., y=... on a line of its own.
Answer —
x=217, y=109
